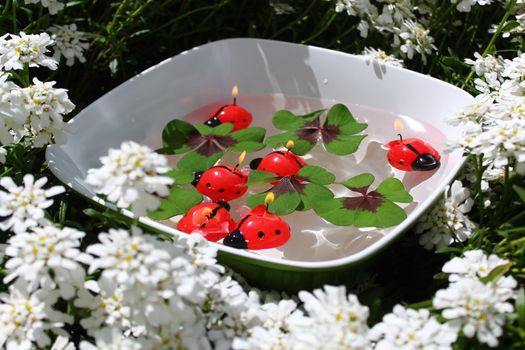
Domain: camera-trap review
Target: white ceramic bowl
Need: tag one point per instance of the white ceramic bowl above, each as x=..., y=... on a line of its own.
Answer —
x=308, y=77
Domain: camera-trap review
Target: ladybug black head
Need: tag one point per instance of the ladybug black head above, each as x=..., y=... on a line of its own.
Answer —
x=255, y=163
x=213, y=122
x=235, y=240
x=425, y=162
x=196, y=178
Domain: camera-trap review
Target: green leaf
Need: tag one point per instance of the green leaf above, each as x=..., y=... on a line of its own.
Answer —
x=339, y=115
x=259, y=177
x=256, y=199
x=453, y=62
x=496, y=273
x=300, y=148
x=179, y=202
x=285, y=203
x=255, y=134
x=286, y=120
x=196, y=162
x=344, y=144
x=520, y=191
x=388, y=214
x=364, y=180
x=316, y=175
x=221, y=129
x=248, y=146
x=394, y=190
x=175, y=135
x=181, y=176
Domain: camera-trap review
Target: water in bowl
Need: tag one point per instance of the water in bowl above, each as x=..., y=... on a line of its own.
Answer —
x=314, y=239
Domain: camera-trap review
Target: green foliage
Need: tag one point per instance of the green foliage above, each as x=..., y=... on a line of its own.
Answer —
x=338, y=132
x=179, y=202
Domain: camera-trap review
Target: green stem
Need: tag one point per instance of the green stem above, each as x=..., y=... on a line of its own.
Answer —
x=13, y=14
x=479, y=179
x=326, y=25
x=497, y=33
x=188, y=14
x=6, y=172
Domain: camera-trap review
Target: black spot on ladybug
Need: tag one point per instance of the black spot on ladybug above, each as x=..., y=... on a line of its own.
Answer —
x=401, y=162
x=196, y=178
x=255, y=163
x=244, y=120
x=208, y=184
x=221, y=190
x=260, y=234
x=238, y=192
x=277, y=232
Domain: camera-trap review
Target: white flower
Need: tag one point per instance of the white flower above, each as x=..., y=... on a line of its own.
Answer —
x=488, y=64
x=335, y=320
x=47, y=257
x=25, y=318
x=46, y=106
x=446, y=221
x=24, y=205
x=16, y=51
x=62, y=343
x=416, y=39
x=477, y=307
x=130, y=175
x=412, y=329
x=110, y=338
x=12, y=111
x=379, y=56
x=54, y=6
x=281, y=7
x=466, y=5
x=69, y=43
x=473, y=264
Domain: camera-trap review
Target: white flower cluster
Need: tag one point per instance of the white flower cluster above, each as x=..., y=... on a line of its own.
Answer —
x=466, y=5
x=380, y=57
x=494, y=123
x=34, y=113
x=68, y=43
x=476, y=306
x=30, y=49
x=332, y=320
x=397, y=20
x=447, y=221
x=130, y=176
x=149, y=287
x=54, y=6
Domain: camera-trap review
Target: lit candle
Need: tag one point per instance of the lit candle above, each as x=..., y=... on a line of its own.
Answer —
x=259, y=229
x=411, y=154
x=238, y=116
x=212, y=220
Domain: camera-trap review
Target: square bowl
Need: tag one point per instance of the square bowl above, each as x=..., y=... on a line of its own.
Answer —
x=274, y=75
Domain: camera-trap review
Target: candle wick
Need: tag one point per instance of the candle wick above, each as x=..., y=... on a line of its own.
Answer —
x=400, y=137
x=235, y=101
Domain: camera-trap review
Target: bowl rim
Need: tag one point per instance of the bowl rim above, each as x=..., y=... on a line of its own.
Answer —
x=288, y=264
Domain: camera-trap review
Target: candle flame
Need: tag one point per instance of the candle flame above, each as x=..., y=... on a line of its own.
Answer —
x=235, y=91
x=241, y=158
x=202, y=217
x=398, y=125
x=270, y=197
x=290, y=144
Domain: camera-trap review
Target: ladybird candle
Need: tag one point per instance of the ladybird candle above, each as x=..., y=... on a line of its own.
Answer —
x=222, y=182
x=212, y=220
x=281, y=163
x=259, y=229
x=411, y=154
x=238, y=116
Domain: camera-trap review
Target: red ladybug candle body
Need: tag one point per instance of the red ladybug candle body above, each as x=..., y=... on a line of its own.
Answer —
x=412, y=155
x=281, y=163
x=238, y=116
x=212, y=220
x=221, y=183
x=259, y=229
